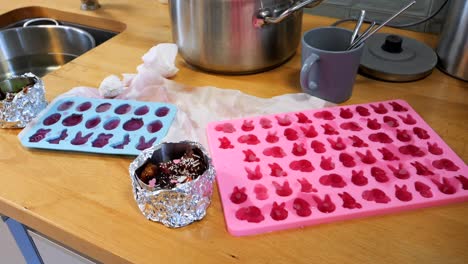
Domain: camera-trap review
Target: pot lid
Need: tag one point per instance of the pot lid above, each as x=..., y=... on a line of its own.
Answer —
x=396, y=58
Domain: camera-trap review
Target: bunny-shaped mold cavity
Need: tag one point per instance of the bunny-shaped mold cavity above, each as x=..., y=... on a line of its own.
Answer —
x=346, y=113
x=283, y=120
x=338, y=144
x=255, y=174
x=81, y=139
x=299, y=150
x=39, y=135
x=225, y=143
x=408, y=119
x=367, y=158
x=390, y=121
x=403, y=135
x=261, y=192
x=101, y=140
x=423, y=189
x=317, y=146
x=302, y=207
x=434, y=149
x=324, y=205
x=329, y=130
x=347, y=160
x=349, y=202
x=463, y=180
x=309, y=132
x=143, y=144
x=278, y=211
x=398, y=107
x=445, y=186
x=379, y=109
x=265, y=123
x=326, y=163
x=238, y=195
x=358, y=178
x=272, y=137
x=373, y=124
x=421, y=169
x=379, y=174
x=402, y=193
x=306, y=186
x=250, y=156
x=276, y=170
x=358, y=142
x=400, y=172
x=302, y=118
x=282, y=189
x=421, y=133
x=362, y=111
x=387, y=154
x=248, y=125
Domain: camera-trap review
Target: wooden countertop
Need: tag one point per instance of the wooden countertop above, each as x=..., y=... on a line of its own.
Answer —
x=85, y=201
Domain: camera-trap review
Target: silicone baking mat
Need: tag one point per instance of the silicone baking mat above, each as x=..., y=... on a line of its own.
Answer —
x=101, y=125
x=304, y=168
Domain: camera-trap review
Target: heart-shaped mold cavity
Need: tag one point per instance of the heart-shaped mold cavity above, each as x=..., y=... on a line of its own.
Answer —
x=103, y=107
x=65, y=105
x=329, y=130
x=420, y=133
x=225, y=143
x=306, y=186
x=380, y=137
x=261, y=192
x=142, y=110
x=84, y=106
x=400, y=172
x=390, y=121
x=347, y=160
x=133, y=124
x=112, y=123
x=249, y=139
x=309, y=132
x=72, y=120
x=39, y=135
x=325, y=115
x=302, y=118
x=248, y=125
x=402, y=193
x=272, y=137
x=379, y=109
x=225, y=127
x=346, y=113
x=367, y=158
x=434, y=149
x=302, y=207
x=63, y=135
x=445, y=164
x=351, y=126
x=283, y=120
x=52, y=119
x=403, y=135
x=79, y=139
x=125, y=141
x=290, y=134
x=276, y=170
x=398, y=107
x=101, y=140
x=254, y=174
x=445, y=186
x=379, y=174
x=421, y=169
x=338, y=144
x=362, y=111
x=387, y=154
x=327, y=163
x=250, y=156
x=326, y=205
x=333, y=180
x=423, y=189
x=301, y=165
x=123, y=109
x=251, y=214
x=275, y=152
x=358, y=142
x=93, y=122
x=278, y=212
x=349, y=202
x=162, y=111
x=265, y=123
x=238, y=195
x=408, y=119
x=463, y=180
x=411, y=150
x=282, y=190
x=358, y=178
x=143, y=144
x=299, y=150
x=373, y=124
x=317, y=146
x=154, y=126
x=375, y=195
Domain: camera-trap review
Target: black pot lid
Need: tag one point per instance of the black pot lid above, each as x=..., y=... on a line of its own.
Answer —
x=396, y=58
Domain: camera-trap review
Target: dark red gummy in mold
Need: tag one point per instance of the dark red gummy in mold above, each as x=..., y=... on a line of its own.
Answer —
x=326, y=205
x=101, y=140
x=445, y=186
x=52, y=119
x=352, y=126
x=93, y=122
x=73, y=120
x=275, y=152
x=434, y=149
x=306, y=186
x=347, y=160
x=411, y=150
x=272, y=137
x=327, y=163
x=225, y=127
x=249, y=139
x=329, y=130
x=421, y=133
x=409, y=120
x=445, y=164
x=276, y=170
x=278, y=212
x=142, y=110
x=379, y=174
x=367, y=158
x=282, y=190
x=248, y=125
x=112, y=124
x=162, y=111
x=403, y=135
x=423, y=189
x=380, y=137
x=154, y=126
x=80, y=139
x=357, y=142
x=39, y=135
x=317, y=146
x=238, y=196
x=265, y=123
x=143, y=144
x=302, y=118
x=421, y=169
x=348, y=201
x=400, y=172
x=403, y=194
x=375, y=195
x=251, y=214
x=334, y=180
x=390, y=121
x=309, y=131
x=358, y=178
x=103, y=107
x=123, y=109
x=302, y=207
x=254, y=174
x=387, y=154
x=398, y=107
x=290, y=134
x=84, y=106
x=373, y=124
x=133, y=124
x=283, y=121
x=65, y=105
x=379, y=109
x=299, y=150
x=325, y=115
x=362, y=111
x=301, y=165
x=250, y=156
x=346, y=113
x=63, y=135
x=261, y=192
x=463, y=180
x=122, y=144
x=338, y=144
x=225, y=143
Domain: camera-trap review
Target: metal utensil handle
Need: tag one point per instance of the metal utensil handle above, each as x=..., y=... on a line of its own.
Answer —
x=363, y=35
x=273, y=20
x=358, y=26
x=27, y=23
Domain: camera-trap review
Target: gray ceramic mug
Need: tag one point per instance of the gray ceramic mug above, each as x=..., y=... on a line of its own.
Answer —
x=328, y=69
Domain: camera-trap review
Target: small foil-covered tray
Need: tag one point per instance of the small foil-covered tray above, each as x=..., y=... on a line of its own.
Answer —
x=106, y=126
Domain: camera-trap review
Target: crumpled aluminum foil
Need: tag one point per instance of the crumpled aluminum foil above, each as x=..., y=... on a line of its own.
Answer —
x=18, y=109
x=175, y=207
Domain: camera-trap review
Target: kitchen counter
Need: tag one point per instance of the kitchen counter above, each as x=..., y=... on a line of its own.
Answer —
x=85, y=201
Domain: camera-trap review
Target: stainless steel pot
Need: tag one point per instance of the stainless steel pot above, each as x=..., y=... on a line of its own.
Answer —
x=237, y=37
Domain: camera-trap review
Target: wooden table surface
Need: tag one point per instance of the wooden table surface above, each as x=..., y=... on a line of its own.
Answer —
x=85, y=201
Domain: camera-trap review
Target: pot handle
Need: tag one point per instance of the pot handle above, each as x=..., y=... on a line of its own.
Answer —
x=268, y=18
x=27, y=23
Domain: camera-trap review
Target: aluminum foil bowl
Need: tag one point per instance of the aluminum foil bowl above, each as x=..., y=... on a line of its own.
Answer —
x=182, y=204
x=22, y=98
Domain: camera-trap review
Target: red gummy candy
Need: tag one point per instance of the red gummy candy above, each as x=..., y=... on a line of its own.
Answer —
x=411, y=150
x=368, y=158
x=248, y=125
x=329, y=130
x=272, y=137
x=387, y=154
x=380, y=109
x=302, y=118
x=373, y=124
x=250, y=156
x=403, y=194
x=375, y=195
x=334, y=180
x=265, y=123
x=352, y=126
x=338, y=144
x=403, y=135
x=379, y=174
x=357, y=142
x=326, y=205
x=309, y=132
x=327, y=164
x=347, y=160
x=380, y=137
x=261, y=192
x=225, y=143
x=421, y=169
x=278, y=212
x=275, y=152
x=290, y=134
x=226, y=128
x=283, y=121
x=463, y=180
x=301, y=165
x=325, y=115
x=434, y=149
x=400, y=172
x=346, y=113
x=317, y=146
x=423, y=189
x=302, y=207
x=362, y=111
x=306, y=186
x=349, y=201
x=444, y=186
x=299, y=150
x=398, y=107
x=409, y=120
x=276, y=170
x=251, y=214
x=238, y=196
x=254, y=175
x=445, y=164
x=421, y=133
x=390, y=121
x=282, y=190
x=358, y=178
x=249, y=139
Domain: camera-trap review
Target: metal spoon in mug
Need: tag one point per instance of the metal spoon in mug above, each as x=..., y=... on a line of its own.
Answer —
x=365, y=33
x=358, y=26
x=357, y=43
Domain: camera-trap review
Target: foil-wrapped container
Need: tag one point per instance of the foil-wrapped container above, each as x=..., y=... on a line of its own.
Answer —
x=182, y=203
x=22, y=98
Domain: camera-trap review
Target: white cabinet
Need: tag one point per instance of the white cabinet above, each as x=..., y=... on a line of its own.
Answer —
x=9, y=251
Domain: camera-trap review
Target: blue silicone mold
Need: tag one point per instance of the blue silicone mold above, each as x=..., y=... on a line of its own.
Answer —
x=101, y=126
